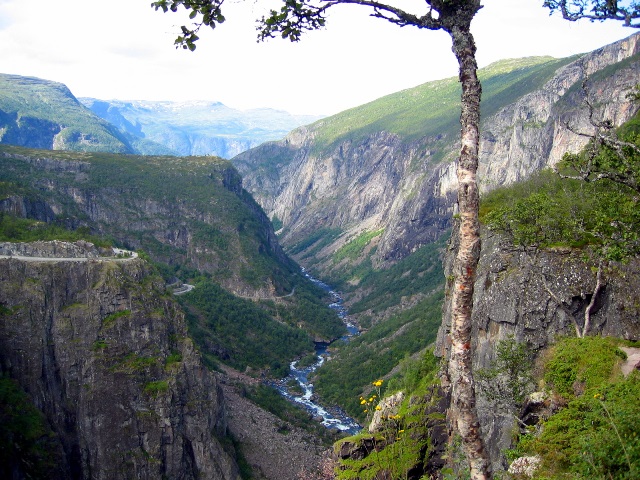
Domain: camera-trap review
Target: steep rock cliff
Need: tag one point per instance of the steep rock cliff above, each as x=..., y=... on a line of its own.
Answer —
x=370, y=178
x=512, y=300
x=103, y=351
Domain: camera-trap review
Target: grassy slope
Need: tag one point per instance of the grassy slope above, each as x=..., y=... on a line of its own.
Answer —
x=53, y=103
x=432, y=109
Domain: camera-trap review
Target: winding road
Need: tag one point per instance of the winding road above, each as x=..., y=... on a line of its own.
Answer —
x=122, y=256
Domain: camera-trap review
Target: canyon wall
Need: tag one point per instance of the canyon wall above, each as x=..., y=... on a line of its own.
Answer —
x=407, y=186
x=102, y=350
x=513, y=299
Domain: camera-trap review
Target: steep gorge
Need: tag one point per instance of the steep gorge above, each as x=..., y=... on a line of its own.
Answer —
x=365, y=170
x=189, y=211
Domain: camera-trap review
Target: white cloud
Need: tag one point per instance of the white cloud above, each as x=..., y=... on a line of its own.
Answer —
x=124, y=49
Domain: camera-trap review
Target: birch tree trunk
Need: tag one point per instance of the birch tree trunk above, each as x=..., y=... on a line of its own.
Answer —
x=466, y=262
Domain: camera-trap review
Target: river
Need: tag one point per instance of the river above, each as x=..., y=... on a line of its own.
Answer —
x=332, y=417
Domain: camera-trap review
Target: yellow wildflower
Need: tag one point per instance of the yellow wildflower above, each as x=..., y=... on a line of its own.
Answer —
x=363, y=401
x=378, y=407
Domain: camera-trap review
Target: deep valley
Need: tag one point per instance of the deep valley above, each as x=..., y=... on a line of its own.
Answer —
x=110, y=368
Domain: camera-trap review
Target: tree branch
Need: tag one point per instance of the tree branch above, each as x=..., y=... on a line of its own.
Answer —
x=600, y=10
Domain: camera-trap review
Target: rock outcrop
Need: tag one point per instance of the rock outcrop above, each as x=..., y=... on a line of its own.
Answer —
x=512, y=299
x=103, y=352
x=53, y=250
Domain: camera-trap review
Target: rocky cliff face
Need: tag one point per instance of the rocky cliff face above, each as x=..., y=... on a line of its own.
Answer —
x=540, y=127
x=512, y=299
x=408, y=187
x=182, y=211
x=103, y=351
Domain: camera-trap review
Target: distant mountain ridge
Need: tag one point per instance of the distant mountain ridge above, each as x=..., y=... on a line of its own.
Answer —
x=37, y=113
x=197, y=127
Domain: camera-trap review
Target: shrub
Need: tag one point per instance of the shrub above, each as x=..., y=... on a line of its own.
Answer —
x=597, y=434
x=157, y=387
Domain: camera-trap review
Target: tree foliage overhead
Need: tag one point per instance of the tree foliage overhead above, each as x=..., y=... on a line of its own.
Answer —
x=627, y=11
x=298, y=16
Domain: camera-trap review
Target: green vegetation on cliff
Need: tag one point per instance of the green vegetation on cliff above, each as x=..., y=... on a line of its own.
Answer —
x=189, y=211
x=407, y=442
x=417, y=274
x=194, y=221
x=596, y=431
x=596, y=208
x=239, y=333
x=14, y=229
x=432, y=109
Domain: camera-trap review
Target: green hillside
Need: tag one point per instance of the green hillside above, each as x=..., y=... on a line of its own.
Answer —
x=39, y=113
x=181, y=210
x=433, y=109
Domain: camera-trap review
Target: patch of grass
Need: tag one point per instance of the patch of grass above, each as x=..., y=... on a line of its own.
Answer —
x=315, y=242
x=354, y=248
x=174, y=357
x=111, y=318
x=156, y=388
x=134, y=363
x=597, y=434
x=580, y=364
x=100, y=345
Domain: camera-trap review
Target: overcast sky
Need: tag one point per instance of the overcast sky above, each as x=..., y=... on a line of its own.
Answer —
x=123, y=49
